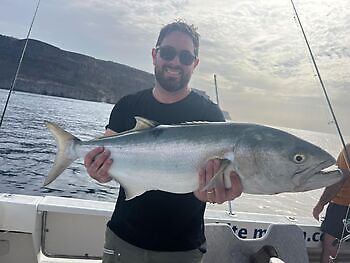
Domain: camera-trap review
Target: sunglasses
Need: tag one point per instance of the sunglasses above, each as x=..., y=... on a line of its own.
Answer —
x=168, y=53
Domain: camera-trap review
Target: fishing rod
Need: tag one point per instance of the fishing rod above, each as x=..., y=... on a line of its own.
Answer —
x=346, y=152
x=19, y=64
x=323, y=87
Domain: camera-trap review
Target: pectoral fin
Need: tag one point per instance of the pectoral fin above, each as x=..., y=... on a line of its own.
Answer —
x=221, y=175
x=133, y=191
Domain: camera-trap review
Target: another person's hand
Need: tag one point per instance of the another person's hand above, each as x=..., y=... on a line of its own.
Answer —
x=219, y=194
x=317, y=211
x=97, y=163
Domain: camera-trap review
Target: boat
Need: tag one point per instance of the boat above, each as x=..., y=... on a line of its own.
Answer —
x=45, y=229
x=50, y=229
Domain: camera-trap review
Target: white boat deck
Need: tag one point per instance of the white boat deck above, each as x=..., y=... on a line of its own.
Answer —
x=55, y=229
x=43, y=259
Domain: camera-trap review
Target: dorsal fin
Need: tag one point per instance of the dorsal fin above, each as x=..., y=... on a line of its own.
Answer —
x=143, y=123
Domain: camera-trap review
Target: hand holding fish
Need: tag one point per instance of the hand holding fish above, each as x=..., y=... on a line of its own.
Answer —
x=97, y=163
x=219, y=194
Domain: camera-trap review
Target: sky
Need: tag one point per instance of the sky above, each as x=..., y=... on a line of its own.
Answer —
x=256, y=49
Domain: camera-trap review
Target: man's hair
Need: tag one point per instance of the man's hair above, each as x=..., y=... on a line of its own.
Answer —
x=180, y=26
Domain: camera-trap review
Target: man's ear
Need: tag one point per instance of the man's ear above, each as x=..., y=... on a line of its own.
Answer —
x=196, y=62
x=154, y=56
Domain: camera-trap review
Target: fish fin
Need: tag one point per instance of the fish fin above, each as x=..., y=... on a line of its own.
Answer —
x=227, y=177
x=65, y=141
x=132, y=192
x=143, y=123
x=229, y=168
x=221, y=174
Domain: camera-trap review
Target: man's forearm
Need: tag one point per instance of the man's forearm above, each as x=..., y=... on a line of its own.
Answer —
x=331, y=191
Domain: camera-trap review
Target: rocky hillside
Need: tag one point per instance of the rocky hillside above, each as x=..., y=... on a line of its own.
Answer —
x=52, y=71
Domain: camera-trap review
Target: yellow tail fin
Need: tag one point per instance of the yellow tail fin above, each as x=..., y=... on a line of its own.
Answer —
x=65, y=154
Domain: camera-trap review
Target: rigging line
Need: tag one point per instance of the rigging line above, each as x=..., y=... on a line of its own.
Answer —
x=346, y=152
x=19, y=64
x=347, y=155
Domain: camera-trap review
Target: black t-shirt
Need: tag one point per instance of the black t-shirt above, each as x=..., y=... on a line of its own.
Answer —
x=158, y=220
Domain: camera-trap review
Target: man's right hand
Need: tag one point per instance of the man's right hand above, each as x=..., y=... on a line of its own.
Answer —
x=98, y=163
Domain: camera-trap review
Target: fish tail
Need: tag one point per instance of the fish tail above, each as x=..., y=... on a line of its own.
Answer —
x=65, y=154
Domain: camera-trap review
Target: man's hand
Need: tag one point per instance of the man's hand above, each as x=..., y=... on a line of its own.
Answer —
x=219, y=194
x=97, y=163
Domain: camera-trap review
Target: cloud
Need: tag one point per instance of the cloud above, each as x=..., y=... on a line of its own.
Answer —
x=255, y=47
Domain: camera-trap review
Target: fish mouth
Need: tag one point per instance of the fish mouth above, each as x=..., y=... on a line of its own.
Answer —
x=324, y=174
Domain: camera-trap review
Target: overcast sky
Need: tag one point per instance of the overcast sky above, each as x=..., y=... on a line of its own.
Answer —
x=255, y=48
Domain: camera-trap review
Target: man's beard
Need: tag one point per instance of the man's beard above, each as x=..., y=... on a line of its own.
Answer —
x=171, y=84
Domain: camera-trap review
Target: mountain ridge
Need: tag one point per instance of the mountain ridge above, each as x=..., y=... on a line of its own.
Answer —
x=49, y=70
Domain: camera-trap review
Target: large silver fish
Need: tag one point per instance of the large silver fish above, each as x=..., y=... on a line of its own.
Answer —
x=168, y=157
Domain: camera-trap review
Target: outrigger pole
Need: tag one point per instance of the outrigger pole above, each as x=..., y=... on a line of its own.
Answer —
x=217, y=102
x=216, y=90
x=19, y=64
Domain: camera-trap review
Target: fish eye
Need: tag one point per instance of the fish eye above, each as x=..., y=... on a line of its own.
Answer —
x=299, y=158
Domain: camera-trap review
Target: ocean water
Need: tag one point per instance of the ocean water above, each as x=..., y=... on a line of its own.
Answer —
x=27, y=152
x=27, y=148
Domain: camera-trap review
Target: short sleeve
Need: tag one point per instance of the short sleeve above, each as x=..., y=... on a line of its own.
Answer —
x=121, y=118
x=216, y=114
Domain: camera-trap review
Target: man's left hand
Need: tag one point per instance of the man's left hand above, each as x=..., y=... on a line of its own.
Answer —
x=219, y=194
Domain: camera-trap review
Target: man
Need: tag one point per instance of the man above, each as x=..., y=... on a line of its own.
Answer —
x=338, y=197
x=160, y=226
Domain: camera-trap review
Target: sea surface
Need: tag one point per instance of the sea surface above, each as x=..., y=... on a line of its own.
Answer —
x=27, y=152
x=27, y=148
